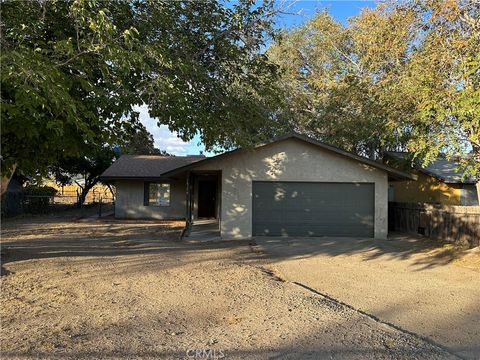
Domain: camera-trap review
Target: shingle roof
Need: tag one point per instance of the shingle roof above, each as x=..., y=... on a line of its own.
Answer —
x=146, y=166
x=447, y=171
x=441, y=168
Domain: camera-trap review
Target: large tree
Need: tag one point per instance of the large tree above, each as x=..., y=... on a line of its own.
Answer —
x=336, y=90
x=140, y=142
x=404, y=75
x=89, y=167
x=442, y=78
x=72, y=72
x=85, y=170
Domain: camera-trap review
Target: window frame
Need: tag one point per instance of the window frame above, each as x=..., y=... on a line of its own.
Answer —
x=146, y=194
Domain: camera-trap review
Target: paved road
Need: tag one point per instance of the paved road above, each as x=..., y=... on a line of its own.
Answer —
x=397, y=280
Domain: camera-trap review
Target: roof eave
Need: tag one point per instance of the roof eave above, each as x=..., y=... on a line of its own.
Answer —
x=460, y=182
x=445, y=180
x=201, y=162
x=145, y=178
x=402, y=177
x=394, y=173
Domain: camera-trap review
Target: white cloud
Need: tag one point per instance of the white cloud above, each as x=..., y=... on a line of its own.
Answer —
x=164, y=138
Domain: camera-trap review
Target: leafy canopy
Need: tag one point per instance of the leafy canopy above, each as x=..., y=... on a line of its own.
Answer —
x=402, y=76
x=89, y=166
x=338, y=88
x=141, y=142
x=72, y=72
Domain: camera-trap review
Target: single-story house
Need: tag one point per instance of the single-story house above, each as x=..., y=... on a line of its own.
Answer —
x=291, y=186
x=440, y=182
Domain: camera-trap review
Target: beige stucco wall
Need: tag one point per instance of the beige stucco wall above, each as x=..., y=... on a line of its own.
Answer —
x=129, y=201
x=288, y=160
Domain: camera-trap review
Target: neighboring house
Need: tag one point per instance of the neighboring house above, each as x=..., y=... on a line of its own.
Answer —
x=293, y=185
x=440, y=182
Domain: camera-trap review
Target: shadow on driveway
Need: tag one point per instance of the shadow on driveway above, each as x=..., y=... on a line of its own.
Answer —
x=404, y=280
x=425, y=253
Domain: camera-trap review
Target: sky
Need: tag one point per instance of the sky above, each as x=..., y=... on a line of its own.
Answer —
x=298, y=13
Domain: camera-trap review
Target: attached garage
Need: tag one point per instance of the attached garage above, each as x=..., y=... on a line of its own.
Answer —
x=313, y=209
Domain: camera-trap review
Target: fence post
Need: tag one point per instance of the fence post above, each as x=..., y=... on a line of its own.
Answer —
x=100, y=207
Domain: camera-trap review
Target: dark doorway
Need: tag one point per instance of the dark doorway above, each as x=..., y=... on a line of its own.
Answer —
x=207, y=198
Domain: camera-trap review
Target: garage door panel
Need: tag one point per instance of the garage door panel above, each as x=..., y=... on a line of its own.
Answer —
x=313, y=209
x=302, y=230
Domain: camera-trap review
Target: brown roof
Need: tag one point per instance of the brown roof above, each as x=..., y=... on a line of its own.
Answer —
x=146, y=166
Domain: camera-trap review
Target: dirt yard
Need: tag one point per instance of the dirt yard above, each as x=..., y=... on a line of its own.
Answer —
x=112, y=289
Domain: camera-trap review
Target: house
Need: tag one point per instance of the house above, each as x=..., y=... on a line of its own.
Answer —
x=440, y=182
x=293, y=185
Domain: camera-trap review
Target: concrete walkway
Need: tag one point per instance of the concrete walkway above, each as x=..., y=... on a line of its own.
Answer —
x=402, y=281
x=204, y=230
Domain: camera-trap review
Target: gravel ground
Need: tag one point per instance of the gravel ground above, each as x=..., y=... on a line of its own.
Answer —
x=132, y=290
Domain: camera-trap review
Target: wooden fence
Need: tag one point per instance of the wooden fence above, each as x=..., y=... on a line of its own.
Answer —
x=457, y=224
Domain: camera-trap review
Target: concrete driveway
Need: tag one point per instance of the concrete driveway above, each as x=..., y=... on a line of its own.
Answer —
x=405, y=281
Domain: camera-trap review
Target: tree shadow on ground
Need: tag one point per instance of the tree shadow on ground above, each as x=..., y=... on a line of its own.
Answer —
x=92, y=239
x=52, y=237
x=286, y=352
x=425, y=253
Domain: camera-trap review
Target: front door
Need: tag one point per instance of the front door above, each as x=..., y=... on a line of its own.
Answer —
x=207, y=198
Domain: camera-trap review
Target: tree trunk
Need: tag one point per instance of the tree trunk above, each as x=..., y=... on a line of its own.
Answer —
x=111, y=191
x=6, y=180
x=82, y=197
x=89, y=184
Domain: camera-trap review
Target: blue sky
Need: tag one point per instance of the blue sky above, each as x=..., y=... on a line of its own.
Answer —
x=298, y=13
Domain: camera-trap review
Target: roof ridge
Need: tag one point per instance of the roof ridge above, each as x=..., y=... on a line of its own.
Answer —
x=305, y=138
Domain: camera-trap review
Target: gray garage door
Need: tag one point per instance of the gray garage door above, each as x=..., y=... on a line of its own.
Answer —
x=313, y=209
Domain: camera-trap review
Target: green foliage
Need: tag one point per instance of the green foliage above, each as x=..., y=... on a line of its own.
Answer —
x=140, y=143
x=89, y=166
x=35, y=190
x=338, y=90
x=72, y=72
x=402, y=76
x=443, y=76
x=37, y=199
x=62, y=63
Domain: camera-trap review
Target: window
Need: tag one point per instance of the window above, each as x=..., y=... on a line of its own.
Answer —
x=158, y=194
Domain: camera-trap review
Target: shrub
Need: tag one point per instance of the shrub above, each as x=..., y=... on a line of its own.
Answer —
x=37, y=199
